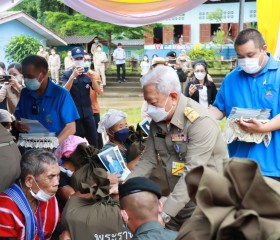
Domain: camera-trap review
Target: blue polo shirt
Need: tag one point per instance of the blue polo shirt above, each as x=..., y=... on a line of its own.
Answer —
x=243, y=90
x=56, y=107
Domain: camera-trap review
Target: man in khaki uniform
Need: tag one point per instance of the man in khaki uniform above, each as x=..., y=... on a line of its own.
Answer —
x=183, y=135
x=9, y=160
x=43, y=53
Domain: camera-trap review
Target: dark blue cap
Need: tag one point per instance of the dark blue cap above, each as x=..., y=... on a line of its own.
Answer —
x=77, y=52
x=138, y=184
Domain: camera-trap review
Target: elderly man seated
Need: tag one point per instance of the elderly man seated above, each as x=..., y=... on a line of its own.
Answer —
x=28, y=209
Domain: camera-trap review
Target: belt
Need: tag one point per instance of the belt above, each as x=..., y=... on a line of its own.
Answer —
x=6, y=144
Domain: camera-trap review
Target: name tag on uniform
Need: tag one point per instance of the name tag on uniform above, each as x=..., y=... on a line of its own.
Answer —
x=179, y=137
x=177, y=168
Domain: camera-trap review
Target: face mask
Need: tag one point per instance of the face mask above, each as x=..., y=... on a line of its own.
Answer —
x=145, y=58
x=69, y=54
x=96, y=40
x=121, y=135
x=158, y=114
x=40, y=195
x=32, y=84
x=87, y=64
x=53, y=53
x=41, y=50
x=199, y=75
x=250, y=65
x=99, y=49
x=79, y=63
x=18, y=78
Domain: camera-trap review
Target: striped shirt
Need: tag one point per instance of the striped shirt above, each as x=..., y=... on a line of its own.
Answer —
x=12, y=222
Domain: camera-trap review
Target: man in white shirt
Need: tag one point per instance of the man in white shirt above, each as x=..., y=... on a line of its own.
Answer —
x=119, y=56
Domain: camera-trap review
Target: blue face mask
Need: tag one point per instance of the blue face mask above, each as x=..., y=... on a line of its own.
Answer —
x=32, y=83
x=121, y=135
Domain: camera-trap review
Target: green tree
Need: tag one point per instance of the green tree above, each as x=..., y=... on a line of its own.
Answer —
x=79, y=25
x=220, y=35
x=21, y=46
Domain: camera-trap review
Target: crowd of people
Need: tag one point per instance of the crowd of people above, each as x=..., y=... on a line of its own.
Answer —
x=76, y=190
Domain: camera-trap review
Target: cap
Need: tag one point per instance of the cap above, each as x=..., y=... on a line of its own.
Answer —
x=171, y=54
x=77, y=52
x=5, y=116
x=138, y=184
x=158, y=60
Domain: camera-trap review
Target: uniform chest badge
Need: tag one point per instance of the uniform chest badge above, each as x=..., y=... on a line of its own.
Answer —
x=48, y=119
x=269, y=93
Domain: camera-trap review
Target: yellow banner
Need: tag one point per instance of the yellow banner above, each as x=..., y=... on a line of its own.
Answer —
x=268, y=22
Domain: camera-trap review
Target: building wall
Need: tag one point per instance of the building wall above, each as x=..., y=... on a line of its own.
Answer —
x=11, y=29
x=198, y=16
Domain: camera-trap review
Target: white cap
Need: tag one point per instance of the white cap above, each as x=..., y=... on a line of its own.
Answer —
x=109, y=119
x=159, y=60
x=5, y=116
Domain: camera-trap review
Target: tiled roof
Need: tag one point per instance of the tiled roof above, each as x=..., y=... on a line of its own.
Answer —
x=83, y=40
x=130, y=42
x=78, y=39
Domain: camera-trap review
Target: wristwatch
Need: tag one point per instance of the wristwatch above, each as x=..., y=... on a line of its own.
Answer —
x=165, y=217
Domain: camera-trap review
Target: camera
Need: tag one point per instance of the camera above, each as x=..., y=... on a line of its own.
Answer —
x=5, y=78
x=199, y=86
x=86, y=69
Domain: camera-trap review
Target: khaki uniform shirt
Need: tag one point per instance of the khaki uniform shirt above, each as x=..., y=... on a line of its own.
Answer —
x=99, y=57
x=94, y=47
x=204, y=145
x=54, y=61
x=44, y=54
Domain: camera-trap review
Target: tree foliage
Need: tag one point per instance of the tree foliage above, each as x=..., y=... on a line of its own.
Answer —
x=21, y=46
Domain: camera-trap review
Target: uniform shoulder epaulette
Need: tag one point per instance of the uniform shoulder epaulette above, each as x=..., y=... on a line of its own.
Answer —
x=191, y=114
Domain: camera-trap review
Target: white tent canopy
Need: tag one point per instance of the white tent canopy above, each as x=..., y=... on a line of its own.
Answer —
x=124, y=12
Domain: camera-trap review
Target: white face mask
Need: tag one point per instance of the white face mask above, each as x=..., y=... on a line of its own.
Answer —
x=199, y=75
x=98, y=49
x=158, y=114
x=79, y=63
x=40, y=195
x=250, y=65
x=145, y=58
x=53, y=53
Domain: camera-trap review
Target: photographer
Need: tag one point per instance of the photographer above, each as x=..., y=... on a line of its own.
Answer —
x=78, y=81
x=200, y=88
x=12, y=86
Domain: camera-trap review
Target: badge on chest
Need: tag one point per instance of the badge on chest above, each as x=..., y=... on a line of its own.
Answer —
x=178, y=137
x=177, y=168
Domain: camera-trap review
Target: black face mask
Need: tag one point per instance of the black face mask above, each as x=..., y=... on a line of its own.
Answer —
x=121, y=135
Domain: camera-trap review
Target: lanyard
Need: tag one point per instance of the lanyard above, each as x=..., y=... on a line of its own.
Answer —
x=39, y=228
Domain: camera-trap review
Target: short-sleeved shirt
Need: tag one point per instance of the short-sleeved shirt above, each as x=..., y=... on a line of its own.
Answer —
x=55, y=107
x=80, y=92
x=119, y=53
x=243, y=90
x=153, y=231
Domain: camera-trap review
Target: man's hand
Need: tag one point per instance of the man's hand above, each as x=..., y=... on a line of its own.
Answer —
x=77, y=72
x=113, y=178
x=251, y=125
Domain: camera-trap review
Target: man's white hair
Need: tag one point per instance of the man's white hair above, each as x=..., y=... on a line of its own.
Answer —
x=165, y=78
